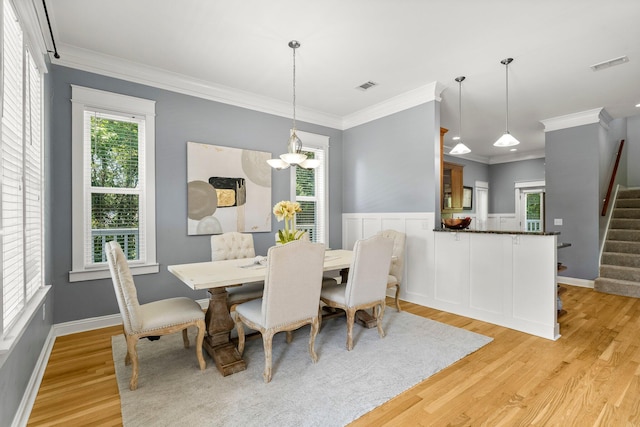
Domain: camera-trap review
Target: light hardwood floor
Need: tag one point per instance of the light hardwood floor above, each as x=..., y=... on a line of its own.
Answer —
x=589, y=377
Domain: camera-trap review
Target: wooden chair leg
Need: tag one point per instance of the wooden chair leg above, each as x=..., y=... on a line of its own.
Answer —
x=199, y=342
x=127, y=357
x=267, y=341
x=240, y=330
x=380, y=313
x=133, y=355
x=185, y=337
x=397, y=300
x=351, y=317
x=315, y=325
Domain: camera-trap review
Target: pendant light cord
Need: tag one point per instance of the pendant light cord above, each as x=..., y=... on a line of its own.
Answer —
x=506, y=68
x=294, y=87
x=460, y=109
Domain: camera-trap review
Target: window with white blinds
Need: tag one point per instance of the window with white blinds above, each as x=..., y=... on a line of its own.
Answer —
x=113, y=181
x=311, y=188
x=21, y=171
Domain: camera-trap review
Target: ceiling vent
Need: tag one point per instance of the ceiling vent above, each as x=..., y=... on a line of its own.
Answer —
x=610, y=63
x=367, y=85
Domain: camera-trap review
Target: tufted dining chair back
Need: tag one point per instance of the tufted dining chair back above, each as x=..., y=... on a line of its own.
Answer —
x=232, y=245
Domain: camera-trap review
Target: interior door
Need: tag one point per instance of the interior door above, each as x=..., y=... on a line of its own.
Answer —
x=532, y=209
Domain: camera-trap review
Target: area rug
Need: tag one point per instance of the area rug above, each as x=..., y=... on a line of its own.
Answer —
x=341, y=387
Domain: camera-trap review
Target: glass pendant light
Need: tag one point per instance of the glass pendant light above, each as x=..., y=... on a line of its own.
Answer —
x=294, y=155
x=506, y=140
x=460, y=148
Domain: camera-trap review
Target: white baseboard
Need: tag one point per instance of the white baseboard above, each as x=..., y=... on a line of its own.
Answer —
x=58, y=330
x=83, y=325
x=583, y=283
x=28, y=399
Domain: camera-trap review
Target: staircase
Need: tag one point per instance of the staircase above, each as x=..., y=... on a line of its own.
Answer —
x=620, y=263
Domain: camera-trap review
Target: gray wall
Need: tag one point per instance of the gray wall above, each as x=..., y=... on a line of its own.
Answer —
x=572, y=194
x=179, y=118
x=390, y=163
x=472, y=172
x=632, y=145
x=502, y=179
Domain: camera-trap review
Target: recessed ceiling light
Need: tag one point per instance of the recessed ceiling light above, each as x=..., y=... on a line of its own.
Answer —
x=638, y=105
x=456, y=138
x=514, y=149
x=610, y=63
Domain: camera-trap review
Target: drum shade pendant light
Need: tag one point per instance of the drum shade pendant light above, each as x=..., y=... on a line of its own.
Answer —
x=506, y=140
x=294, y=155
x=460, y=148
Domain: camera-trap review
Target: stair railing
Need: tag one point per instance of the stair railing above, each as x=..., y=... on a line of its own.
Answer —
x=605, y=204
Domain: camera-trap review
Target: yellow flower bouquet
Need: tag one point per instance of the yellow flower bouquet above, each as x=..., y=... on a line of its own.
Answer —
x=286, y=210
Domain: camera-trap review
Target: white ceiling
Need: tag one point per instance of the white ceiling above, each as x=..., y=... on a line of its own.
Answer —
x=237, y=51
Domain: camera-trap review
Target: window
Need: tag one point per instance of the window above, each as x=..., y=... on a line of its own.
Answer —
x=21, y=174
x=113, y=181
x=310, y=188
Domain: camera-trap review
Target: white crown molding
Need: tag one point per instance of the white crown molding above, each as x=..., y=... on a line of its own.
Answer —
x=28, y=16
x=468, y=156
x=597, y=115
x=404, y=101
x=85, y=60
x=516, y=157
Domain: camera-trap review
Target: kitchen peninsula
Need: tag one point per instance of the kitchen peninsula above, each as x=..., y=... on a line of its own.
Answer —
x=508, y=278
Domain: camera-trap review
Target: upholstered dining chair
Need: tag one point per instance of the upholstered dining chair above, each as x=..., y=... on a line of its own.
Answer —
x=235, y=245
x=366, y=285
x=291, y=297
x=326, y=280
x=152, y=319
x=397, y=261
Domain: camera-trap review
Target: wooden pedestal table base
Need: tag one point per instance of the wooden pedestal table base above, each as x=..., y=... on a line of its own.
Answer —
x=219, y=326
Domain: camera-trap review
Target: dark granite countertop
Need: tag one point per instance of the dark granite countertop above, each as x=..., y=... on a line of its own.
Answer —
x=527, y=233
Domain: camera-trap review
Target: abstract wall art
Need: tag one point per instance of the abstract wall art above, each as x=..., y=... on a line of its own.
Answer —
x=228, y=189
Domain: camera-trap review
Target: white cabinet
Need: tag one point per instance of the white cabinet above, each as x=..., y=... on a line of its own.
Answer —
x=506, y=279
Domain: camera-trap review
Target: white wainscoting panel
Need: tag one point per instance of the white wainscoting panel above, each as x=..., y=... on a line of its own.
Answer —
x=418, y=262
x=503, y=222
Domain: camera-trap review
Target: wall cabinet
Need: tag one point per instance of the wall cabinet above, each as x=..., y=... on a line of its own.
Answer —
x=452, y=183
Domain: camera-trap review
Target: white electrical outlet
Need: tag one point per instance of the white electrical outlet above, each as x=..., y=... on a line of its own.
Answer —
x=44, y=306
x=557, y=221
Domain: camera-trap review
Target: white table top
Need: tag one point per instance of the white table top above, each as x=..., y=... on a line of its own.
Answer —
x=217, y=274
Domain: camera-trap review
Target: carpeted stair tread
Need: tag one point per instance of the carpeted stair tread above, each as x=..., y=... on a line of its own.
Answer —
x=624, y=235
x=620, y=272
x=631, y=213
x=625, y=223
x=621, y=259
x=629, y=194
x=628, y=203
x=621, y=246
x=617, y=287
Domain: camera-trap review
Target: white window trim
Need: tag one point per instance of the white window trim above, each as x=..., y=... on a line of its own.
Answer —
x=82, y=98
x=314, y=140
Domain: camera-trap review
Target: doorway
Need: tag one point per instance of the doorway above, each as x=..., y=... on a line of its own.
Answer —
x=530, y=205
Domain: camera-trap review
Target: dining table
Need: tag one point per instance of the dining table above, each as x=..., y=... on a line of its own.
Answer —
x=215, y=277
